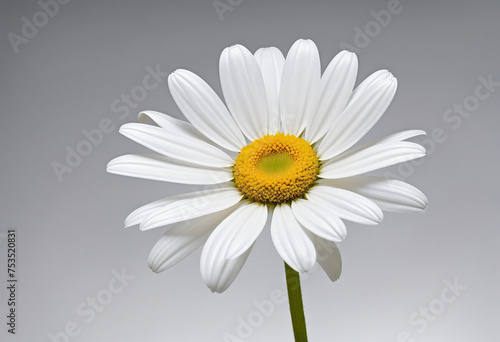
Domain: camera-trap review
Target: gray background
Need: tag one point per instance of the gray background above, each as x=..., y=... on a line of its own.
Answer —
x=70, y=234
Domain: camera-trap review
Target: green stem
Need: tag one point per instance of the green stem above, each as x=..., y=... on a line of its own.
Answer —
x=296, y=306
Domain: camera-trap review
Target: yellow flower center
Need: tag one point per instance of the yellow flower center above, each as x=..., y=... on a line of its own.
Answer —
x=276, y=169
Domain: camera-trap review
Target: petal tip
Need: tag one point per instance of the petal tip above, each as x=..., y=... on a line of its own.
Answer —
x=111, y=163
x=348, y=54
x=151, y=264
x=216, y=290
x=178, y=73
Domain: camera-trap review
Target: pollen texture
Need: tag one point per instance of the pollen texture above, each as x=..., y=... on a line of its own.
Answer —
x=276, y=169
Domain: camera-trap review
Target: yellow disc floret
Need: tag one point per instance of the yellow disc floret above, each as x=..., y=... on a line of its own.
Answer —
x=276, y=169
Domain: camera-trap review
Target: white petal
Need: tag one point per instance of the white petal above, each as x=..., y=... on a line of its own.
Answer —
x=328, y=256
x=359, y=116
x=219, y=273
x=182, y=239
x=244, y=90
x=371, y=158
x=239, y=231
x=388, y=194
x=291, y=241
x=346, y=204
x=138, y=215
x=231, y=240
x=174, y=125
x=319, y=219
x=166, y=169
x=335, y=88
x=393, y=138
x=377, y=77
x=151, y=117
x=177, y=146
x=401, y=136
x=271, y=62
x=193, y=205
x=205, y=110
x=299, y=85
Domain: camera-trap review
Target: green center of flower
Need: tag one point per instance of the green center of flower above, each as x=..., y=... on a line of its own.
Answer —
x=275, y=163
x=276, y=169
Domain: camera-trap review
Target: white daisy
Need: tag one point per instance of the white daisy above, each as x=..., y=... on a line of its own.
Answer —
x=279, y=146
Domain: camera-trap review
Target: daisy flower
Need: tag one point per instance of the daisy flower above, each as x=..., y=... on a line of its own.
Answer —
x=279, y=148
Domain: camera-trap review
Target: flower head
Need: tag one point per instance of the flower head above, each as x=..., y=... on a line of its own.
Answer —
x=280, y=146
